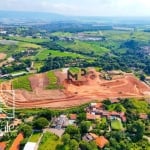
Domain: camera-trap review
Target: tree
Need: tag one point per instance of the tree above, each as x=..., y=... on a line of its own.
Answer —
x=81, y=116
x=85, y=126
x=142, y=77
x=88, y=145
x=40, y=123
x=65, y=139
x=74, y=145
x=136, y=131
x=46, y=114
x=74, y=132
x=26, y=130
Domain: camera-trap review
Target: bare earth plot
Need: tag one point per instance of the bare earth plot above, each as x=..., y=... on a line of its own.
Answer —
x=76, y=92
x=2, y=56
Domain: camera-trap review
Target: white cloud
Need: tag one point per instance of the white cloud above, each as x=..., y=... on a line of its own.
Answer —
x=82, y=7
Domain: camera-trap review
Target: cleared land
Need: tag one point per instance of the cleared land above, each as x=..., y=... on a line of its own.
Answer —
x=88, y=88
x=2, y=56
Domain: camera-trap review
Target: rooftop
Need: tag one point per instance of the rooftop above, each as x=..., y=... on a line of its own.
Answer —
x=73, y=116
x=101, y=141
x=3, y=116
x=16, y=143
x=30, y=146
x=143, y=116
x=2, y=145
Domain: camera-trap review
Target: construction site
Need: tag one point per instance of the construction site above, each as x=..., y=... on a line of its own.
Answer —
x=94, y=86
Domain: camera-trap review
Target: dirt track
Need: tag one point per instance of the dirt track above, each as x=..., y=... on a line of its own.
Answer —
x=72, y=95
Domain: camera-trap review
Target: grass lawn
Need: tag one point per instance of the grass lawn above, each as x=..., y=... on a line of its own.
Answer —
x=49, y=141
x=29, y=45
x=62, y=34
x=139, y=106
x=22, y=83
x=116, y=125
x=116, y=107
x=84, y=46
x=52, y=81
x=34, y=137
x=74, y=70
x=42, y=55
x=38, y=65
x=29, y=39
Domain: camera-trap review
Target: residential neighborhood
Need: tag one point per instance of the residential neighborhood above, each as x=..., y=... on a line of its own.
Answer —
x=92, y=124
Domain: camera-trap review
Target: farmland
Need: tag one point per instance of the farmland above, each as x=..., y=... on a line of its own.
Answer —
x=42, y=55
x=84, y=46
x=22, y=83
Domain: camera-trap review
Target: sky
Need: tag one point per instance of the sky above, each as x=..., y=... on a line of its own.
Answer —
x=81, y=7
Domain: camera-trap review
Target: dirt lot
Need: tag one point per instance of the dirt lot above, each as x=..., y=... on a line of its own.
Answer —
x=2, y=56
x=95, y=88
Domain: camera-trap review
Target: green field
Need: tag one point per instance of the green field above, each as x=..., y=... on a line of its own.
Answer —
x=116, y=107
x=62, y=34
x=20, y=46
x=42, y=55
x=22, y=83
x=126, y=35
x=116, y=125
x=53, y=82
x=49, y=141
x=140, y=106
x=84, y=46
x=74, y=70
x=35, y=137
x=29, y=39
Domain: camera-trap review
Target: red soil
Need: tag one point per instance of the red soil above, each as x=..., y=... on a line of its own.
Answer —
x=75, y=94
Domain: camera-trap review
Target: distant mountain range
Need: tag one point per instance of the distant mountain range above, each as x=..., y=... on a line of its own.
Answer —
x=43, y=17
x=16, y=17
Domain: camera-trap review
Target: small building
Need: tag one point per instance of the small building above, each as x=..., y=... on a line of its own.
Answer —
x=92, y=116
x=2, y=145
x=73, y=116
x=16, y=122
x=1, y=134
x=143, y=116
x=61, y=122
x=94, y=135
x=3, y=116
x=17, y=141
x=30, y=146
x=87, y=137
x=101, y=141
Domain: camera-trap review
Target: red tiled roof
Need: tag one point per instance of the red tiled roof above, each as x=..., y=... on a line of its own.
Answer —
x=101, y=141
x=73, y=116
x=114, y=113
x=2, y=145
x=122, y=113
x=3, y=116
x=124, y=119
x=143, y=116
x=90, y=116
x=98, y=105
x=94, y=135
x=16, y=143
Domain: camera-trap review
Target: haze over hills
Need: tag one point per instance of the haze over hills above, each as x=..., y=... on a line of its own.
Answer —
x=44, y=17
